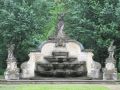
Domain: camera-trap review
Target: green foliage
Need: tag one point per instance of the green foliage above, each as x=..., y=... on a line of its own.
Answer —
x=53, y=8
x=18, y=23
x=95, y=25
x=26, y=23
x=2, y=71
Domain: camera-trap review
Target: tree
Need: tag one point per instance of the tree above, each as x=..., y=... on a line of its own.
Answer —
x=18, y=24
x=95, y=24
x=26, y=23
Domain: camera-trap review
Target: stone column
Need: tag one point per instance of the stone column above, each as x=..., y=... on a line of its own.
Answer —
x=12, y=72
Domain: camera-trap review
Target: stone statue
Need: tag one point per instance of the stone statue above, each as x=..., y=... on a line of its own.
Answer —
x=12, y=72
x=110, y=72
x=60, y=26
x=111, y=50
x=60, y=34
x=10, y=52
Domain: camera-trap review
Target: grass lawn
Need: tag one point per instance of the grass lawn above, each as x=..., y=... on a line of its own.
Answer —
x=53, y=87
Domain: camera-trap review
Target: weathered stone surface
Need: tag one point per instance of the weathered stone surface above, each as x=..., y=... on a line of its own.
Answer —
x=28, y=67
x=110, y=72
x=95, y=70
x=73, y=48
x=12, y=72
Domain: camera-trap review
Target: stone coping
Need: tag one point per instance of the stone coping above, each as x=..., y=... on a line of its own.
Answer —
x=57, y=80
x=61, y=81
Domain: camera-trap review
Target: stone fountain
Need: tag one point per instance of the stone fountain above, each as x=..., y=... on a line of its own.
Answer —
x=60, y=56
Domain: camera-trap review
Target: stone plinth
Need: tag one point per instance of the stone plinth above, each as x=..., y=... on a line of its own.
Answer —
x=110, y=72
x=12, y=72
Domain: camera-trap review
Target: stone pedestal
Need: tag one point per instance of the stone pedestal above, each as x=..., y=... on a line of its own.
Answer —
x=110, y=72
x=12, y=72
x=111, y=76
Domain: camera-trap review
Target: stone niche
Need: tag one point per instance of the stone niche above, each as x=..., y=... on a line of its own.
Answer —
x=64, y=57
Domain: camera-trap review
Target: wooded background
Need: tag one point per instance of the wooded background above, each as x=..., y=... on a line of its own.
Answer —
x=27, y=23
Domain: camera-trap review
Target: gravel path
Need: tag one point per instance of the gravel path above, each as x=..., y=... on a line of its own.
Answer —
x=112, y=87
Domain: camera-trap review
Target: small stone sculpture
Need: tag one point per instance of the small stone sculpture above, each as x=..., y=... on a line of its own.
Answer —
x=12, y=72
x=60, y=34
x=110, y=72
x=60, y=26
